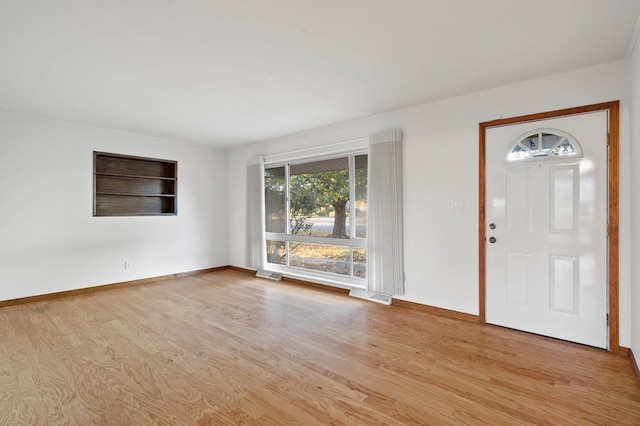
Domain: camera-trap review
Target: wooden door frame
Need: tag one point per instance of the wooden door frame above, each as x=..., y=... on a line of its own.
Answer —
x=613, y=108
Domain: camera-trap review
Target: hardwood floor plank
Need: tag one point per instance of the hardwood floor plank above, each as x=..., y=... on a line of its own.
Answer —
x=228, y=348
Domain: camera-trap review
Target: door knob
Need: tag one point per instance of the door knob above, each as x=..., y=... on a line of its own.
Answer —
x=492, y=240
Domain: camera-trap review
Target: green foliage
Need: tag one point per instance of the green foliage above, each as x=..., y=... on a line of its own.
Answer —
x=321, y=192
x=313, y=194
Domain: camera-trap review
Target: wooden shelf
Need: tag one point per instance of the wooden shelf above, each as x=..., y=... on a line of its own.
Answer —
x=135, y=176
x=134, y=195
x=134, y=186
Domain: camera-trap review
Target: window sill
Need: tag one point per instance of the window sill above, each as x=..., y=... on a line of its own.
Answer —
x=318, y=277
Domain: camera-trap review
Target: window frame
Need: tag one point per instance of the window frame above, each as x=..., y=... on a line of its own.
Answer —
x=545, y=154
x=287, y=237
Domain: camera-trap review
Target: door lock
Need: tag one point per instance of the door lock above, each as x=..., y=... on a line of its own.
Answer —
x=492, y=240
x=492, y=225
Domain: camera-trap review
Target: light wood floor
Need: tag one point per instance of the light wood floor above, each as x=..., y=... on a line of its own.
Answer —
x=227, y=348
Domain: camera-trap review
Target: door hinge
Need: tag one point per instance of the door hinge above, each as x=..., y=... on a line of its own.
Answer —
x=607, y=319
x=607, y=229
x=608, y=138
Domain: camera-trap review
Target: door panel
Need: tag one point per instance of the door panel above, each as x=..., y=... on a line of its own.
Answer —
x=518, y=266
x=519, y=208
x=564, y=205
x=564, y=284
x=546, y=270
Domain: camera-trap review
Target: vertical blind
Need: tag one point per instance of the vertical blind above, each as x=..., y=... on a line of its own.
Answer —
x=385, y=251
x=255, y=216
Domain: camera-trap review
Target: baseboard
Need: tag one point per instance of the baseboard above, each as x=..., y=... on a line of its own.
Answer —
x=95, y=289
x=396, y=302
x=634, y=364
x=437, y=311
x=244, y=270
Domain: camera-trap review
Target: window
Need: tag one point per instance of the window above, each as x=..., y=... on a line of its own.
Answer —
x=544, y=144
x=316, y=216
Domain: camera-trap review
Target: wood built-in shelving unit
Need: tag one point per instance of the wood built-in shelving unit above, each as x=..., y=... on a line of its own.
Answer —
x=125, y=185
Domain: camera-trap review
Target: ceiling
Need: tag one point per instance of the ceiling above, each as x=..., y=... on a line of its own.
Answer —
x=238, y=71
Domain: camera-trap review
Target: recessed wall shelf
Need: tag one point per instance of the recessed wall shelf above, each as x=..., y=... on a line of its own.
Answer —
x=125, y=185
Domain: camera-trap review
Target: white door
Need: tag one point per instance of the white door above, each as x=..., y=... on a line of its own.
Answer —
x=546, y=218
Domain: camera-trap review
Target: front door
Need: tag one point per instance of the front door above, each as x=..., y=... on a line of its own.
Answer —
x=546, y=227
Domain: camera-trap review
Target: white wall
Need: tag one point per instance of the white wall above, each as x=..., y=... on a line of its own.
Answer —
x=635, y=196
x=441, y=164
x=49, y=239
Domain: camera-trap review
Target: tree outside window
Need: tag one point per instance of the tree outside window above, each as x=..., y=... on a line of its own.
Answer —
x=327, y=199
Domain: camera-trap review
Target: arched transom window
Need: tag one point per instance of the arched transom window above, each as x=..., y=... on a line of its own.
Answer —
x=543, y=144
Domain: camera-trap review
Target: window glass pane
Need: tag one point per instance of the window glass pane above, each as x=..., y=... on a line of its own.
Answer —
x=274, y=199
x=361, y=196
x=277, y=252
x=531, y=142
x=360, y=262
x=320, y=257
x=549, y=140
x=519, y=153
x=542, y=145
x=565, y=148
x=319, y=195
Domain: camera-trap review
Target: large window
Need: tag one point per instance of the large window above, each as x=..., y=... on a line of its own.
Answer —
x=316, y=216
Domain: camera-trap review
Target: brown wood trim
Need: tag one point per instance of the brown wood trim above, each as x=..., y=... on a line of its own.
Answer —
x=396, y=302
x=244, y=270
x=613, y=108
x=614, y=208
x=95, y=289
x=482, y=315
x=447, y=313
x=551, y=114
